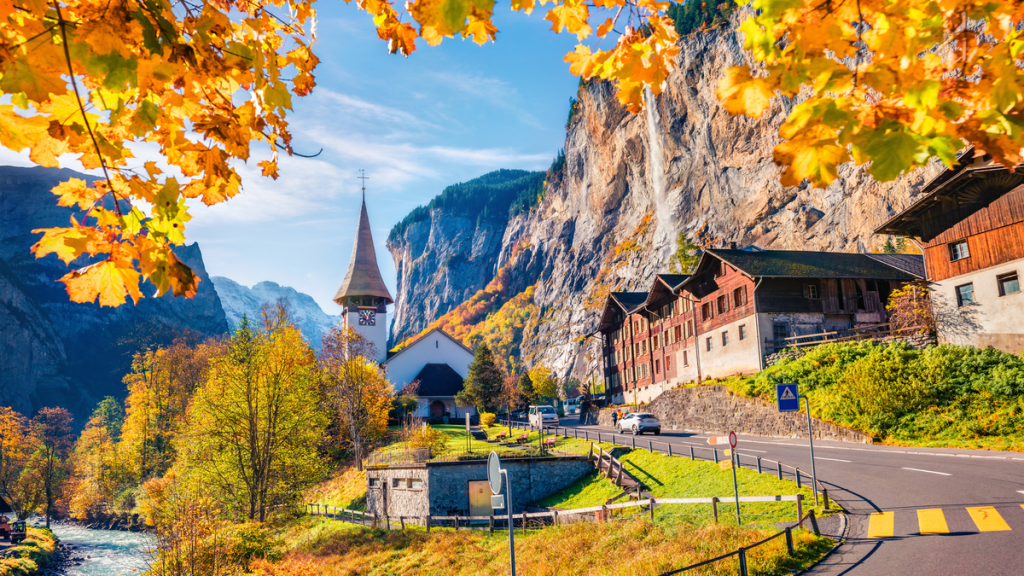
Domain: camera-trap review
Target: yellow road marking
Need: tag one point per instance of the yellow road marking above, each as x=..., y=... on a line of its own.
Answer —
x=932, y=521
x=881, y=525
x=987, y=519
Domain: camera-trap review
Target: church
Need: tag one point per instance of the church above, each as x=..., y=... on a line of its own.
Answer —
x=436, y=363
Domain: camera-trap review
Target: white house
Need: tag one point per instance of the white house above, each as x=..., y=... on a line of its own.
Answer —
x=437, y=364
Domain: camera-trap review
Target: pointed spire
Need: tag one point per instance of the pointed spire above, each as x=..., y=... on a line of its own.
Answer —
x=363, y=277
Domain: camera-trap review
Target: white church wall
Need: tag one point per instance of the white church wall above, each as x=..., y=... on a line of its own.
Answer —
x=434, y=348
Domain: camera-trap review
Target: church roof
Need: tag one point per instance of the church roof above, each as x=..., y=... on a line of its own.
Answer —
x=363, y=277
x=437, y=380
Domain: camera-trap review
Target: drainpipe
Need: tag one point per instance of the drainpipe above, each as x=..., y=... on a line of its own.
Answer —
x=757, y=327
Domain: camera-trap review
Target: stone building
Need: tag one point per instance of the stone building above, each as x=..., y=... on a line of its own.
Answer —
x=970, y=223
x=461, y=489
x=737, y=307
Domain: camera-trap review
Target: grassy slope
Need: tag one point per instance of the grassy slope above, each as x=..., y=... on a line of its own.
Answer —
x=640, y=547
x=30, y=555
x=943, y=396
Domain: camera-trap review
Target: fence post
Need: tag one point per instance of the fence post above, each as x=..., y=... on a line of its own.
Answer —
x=824, y=496
x=401, y=519
x=798, y=483
x=669, y=448
x=586, y=436
x=634, y=442
x=554, y=516
x=814, y=522
x=387, y=521
x=428, y=523
x=618, y=480
x=650, y=446
x=778, y=468
x=490, y=524
x=799, y=507
x=743, y=561
x=652, y=509
x=691, y=452
x=604, y=513
x=374, y=519
x=789, y=541
x=716, y=455
x=758, y=464
x=714, y=507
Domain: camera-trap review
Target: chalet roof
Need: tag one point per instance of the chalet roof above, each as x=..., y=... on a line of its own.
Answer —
x=625, y=302
x=910, y=263
x=663, y=290
x=437, y=380
x=363, y=276
x=953, y=195
x=800, y=264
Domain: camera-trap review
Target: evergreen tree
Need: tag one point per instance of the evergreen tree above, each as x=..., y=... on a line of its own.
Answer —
x=482, y=387
x=888, y=247
x=526, y=388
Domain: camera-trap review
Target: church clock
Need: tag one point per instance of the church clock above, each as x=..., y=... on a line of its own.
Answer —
x=367, y=318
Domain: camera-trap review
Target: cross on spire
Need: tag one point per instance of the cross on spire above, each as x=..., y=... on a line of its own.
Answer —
x=362, y=176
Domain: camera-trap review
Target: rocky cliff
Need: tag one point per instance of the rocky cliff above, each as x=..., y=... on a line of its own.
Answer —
x=55, y=352
x=240, y=301
x=610, y=218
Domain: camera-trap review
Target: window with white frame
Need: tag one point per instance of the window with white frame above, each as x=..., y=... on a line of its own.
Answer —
x=958, y=250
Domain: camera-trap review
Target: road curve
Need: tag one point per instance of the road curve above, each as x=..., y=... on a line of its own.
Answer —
x=972, y=501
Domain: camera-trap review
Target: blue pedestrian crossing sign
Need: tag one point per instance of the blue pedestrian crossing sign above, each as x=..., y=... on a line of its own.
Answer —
x=787, y=397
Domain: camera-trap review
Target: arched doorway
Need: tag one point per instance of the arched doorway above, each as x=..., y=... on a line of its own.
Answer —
x=436, y=409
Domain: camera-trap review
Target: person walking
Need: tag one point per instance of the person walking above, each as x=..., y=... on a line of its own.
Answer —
x=615, y=417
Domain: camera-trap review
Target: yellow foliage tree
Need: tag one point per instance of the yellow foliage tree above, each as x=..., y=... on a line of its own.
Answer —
x=890, y=83
x=17, y=444
x=544, y=382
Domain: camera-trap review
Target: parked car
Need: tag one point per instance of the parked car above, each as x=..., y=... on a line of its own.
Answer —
x=640, y=422
x=543, y=416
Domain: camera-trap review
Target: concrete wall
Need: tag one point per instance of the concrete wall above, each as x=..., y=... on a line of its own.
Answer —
x=446, y=484
x=434, y=348
x=715, y=409
x=994, y=320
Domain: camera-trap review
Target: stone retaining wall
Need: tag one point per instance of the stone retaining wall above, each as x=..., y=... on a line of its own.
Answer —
x=715, y=409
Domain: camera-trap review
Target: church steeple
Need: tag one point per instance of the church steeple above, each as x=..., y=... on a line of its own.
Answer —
x=363, y=278
x=363, y=293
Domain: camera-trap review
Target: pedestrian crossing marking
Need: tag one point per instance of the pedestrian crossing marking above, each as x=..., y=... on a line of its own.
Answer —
x=881, y=525
x=932, y=521
x=987, y=519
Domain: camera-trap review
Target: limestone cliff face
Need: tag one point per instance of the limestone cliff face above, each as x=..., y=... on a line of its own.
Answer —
x=57, y=353
x=609, y=219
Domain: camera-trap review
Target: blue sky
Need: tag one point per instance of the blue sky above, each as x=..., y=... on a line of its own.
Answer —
x=446, y=114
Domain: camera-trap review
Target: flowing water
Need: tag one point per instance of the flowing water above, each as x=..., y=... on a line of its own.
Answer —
x=104, y=552
x=663, y=237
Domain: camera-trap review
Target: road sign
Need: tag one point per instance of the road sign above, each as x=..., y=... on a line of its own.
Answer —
x=494, y=472
x=732, y=439
x=725, y=464
x=727, y=452
x=714, y=440
x=497, y=501
x=788, y=397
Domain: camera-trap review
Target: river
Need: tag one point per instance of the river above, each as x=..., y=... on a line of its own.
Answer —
x=104, y=552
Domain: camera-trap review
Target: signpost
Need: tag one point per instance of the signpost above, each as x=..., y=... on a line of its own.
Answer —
x=494, y=474
x=788, y=397
x=733, y=456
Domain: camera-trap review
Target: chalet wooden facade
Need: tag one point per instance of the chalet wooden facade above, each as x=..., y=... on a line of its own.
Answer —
x=970, y=223
x=735, y=308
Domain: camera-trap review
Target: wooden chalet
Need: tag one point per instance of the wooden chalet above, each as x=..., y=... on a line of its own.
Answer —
x=970, y=224
x=737, y=307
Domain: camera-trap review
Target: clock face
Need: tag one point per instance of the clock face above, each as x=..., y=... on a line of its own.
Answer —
x=367, y=318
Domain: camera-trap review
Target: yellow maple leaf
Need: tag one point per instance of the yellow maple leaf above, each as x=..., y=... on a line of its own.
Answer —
x=815, y=155
x=742, y=94
x=76, y=191
x=109, y=281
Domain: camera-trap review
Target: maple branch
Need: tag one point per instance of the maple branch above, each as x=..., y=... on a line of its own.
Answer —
x=81, y=107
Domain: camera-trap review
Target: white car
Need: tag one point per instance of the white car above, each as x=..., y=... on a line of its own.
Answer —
x=543, y=416
x=638, y=423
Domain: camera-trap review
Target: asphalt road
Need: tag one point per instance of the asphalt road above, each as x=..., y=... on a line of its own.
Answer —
x=868, y=479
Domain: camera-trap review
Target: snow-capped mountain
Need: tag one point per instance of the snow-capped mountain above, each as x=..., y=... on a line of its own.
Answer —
x=239, y=301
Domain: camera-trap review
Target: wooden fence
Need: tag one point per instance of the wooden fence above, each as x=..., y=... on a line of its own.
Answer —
x=864, y=332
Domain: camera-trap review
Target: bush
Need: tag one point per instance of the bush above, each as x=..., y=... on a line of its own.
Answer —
x=252, y=541
x=486, y=419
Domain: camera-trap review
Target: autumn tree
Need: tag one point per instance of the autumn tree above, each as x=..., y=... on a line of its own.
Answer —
x=890, y=84
x=482, y=385
x=52, y=430
x=910, y=309
x=545, y=385
x=256, y=424
x=111, y=413
x=18, y=487
x=511, y=396
x=356, y=385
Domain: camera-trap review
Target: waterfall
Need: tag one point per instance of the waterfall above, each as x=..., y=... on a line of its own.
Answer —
x=663, y=235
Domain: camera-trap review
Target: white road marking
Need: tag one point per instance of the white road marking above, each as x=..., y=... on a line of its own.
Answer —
x=832, y=459
x=1021, y=491
x=749, y=450
x=928, y=471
